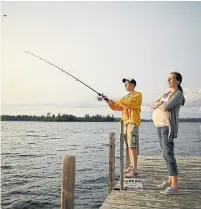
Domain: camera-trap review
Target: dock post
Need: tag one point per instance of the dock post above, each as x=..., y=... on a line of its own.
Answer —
x=68, y=182
x=121, y=157
x=111, y=162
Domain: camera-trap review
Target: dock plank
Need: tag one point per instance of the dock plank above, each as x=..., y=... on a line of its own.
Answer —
x=153, y=171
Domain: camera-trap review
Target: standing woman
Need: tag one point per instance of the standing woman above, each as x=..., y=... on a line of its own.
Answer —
x=166, y=119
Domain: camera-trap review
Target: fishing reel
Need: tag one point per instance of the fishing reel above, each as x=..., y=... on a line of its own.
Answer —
x=101, y=97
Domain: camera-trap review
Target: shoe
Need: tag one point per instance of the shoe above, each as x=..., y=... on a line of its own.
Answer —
x=170, y=191
x=163, y=185
x=128, y=170
x=132, y=173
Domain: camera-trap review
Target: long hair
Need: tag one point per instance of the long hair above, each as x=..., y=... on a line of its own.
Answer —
x=179, y=78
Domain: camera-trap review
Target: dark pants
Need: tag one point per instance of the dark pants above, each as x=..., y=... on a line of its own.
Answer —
x=167, y=146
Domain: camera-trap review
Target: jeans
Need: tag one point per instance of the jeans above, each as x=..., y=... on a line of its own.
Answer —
x=167, y=146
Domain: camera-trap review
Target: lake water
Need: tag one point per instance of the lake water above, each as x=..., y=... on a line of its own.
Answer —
x=32, y=152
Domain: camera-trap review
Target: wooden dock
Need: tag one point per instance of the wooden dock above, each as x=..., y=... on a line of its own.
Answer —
x=153, y=171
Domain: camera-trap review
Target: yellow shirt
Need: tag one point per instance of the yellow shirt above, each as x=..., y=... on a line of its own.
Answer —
x=130, y=105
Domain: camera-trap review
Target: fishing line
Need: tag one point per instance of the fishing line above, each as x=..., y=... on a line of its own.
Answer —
x=99, y=97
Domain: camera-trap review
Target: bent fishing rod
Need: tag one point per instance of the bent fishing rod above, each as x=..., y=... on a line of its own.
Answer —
x=100, y=96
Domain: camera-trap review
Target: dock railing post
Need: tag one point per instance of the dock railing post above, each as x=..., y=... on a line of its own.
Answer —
x=121, y=157
x=68, y=182
x=111, y=162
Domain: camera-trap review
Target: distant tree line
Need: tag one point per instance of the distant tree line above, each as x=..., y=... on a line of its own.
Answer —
x=190, y=119
x=71, y=118
x=59, y=118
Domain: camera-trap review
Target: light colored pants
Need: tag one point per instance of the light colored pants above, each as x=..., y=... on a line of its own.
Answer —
x=131, y=136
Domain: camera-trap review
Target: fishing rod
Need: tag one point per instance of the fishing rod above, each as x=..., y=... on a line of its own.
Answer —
x=100, y=96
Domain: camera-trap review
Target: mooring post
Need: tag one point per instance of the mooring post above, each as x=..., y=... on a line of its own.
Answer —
x=111, y=162
x=68, y=182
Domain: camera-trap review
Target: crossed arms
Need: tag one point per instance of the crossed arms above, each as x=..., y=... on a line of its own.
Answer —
x=176, y=98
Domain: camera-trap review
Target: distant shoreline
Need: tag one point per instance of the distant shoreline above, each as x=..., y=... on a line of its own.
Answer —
x=72, y=118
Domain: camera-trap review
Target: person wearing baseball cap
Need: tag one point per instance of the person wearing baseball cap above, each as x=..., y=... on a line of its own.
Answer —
x=131, y=80
x=130, y=106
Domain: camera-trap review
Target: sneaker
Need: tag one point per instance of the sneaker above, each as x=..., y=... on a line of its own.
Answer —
x=128, y=170
x=170, y=191
x=132, y=173
x=163, y=185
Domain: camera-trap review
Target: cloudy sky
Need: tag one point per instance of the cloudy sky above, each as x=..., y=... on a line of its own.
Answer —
x=100, y=43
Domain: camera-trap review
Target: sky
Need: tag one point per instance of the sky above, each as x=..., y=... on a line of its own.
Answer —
x=100, y=43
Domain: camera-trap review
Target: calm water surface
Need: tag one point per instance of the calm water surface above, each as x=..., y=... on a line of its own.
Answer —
x=31, y=156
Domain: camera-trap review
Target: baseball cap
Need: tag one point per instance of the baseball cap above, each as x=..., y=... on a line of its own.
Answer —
x=132, y=80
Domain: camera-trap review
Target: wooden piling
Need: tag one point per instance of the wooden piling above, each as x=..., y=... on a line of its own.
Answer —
x=68, y=182
x=121, y=157
x=111, y=162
